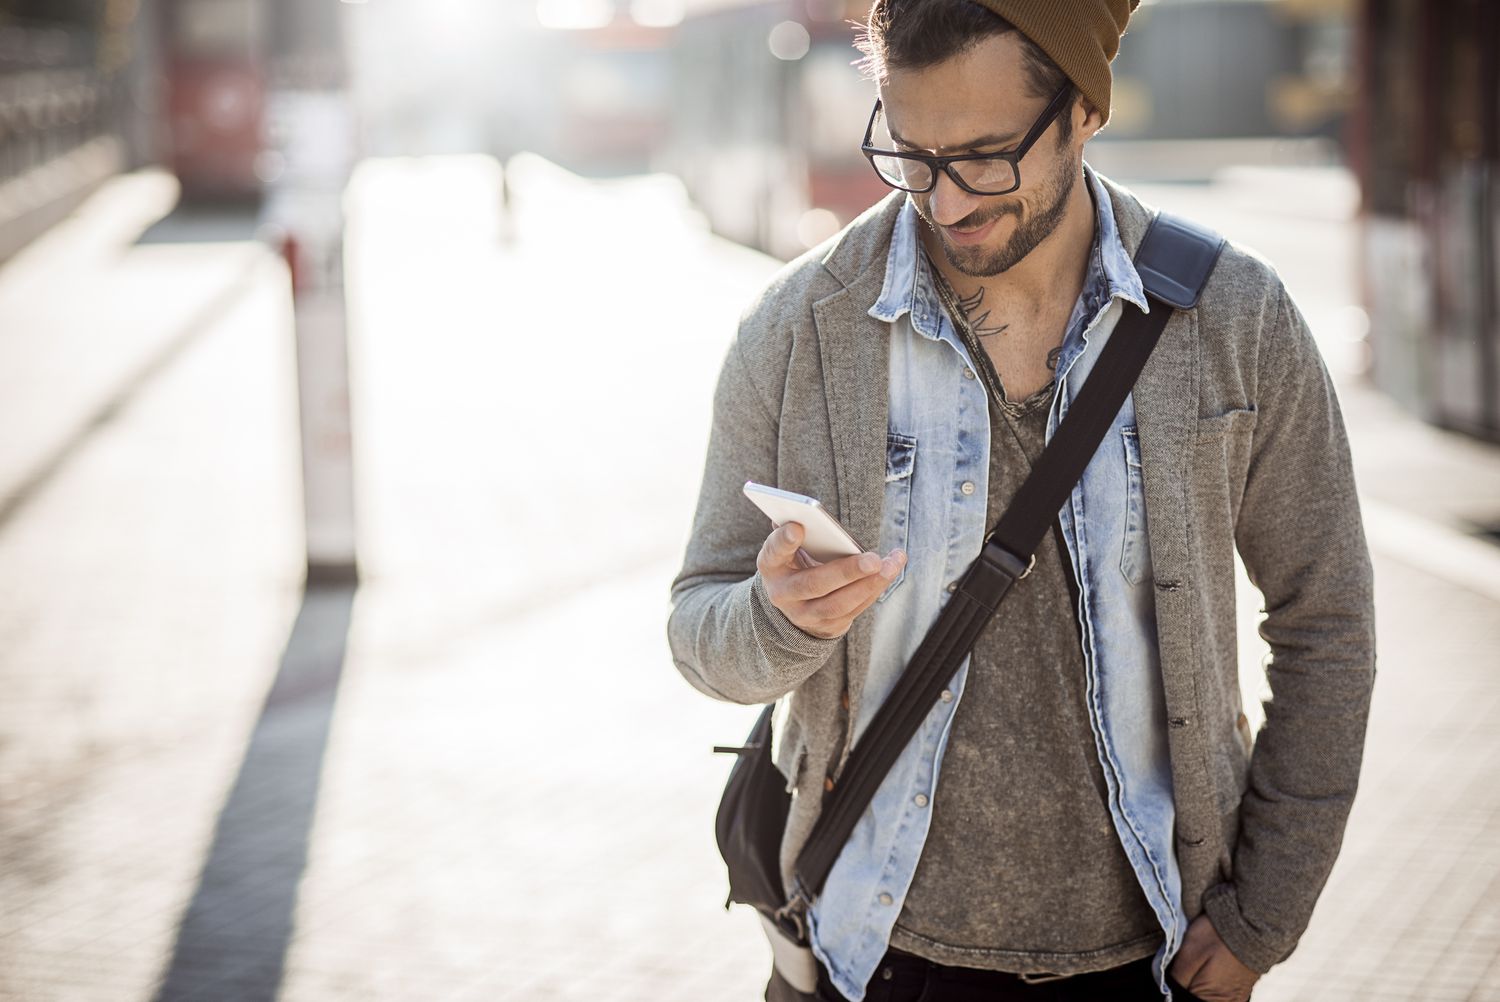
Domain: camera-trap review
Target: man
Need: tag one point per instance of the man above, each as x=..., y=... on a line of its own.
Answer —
x=1081, y=815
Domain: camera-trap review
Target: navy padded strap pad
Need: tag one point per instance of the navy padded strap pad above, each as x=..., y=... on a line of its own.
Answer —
x=1175, y=259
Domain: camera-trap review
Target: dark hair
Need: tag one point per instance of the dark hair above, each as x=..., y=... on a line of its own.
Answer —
x=915, y=34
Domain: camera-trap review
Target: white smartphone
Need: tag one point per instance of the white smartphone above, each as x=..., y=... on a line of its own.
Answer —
x=823, y=538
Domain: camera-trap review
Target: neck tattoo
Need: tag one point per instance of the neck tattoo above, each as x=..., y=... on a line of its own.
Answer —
x=971, y=306
x=966, y=314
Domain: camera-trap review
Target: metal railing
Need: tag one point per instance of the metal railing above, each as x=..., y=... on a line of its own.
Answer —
x=54, y=98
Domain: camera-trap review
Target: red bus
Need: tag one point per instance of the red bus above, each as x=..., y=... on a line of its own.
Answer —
x=215, y=95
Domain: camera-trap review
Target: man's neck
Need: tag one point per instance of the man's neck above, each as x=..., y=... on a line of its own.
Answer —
x=1046, y=282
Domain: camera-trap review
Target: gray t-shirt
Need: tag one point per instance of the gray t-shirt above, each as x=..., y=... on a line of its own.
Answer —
x=1022, y=870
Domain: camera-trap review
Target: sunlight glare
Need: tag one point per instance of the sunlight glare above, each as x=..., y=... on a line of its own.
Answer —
x=574, y=14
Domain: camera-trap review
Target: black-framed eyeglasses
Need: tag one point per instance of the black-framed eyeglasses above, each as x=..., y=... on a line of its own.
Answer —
x=977, y=173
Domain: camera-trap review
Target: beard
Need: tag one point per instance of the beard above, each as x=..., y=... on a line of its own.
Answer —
x=1031, y=229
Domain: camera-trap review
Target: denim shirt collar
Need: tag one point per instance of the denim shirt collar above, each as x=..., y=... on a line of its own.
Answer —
x=909, y=285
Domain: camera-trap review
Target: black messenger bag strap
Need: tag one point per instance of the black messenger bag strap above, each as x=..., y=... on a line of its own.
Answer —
x=1174, y=262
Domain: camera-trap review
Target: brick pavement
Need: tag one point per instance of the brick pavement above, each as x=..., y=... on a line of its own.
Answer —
x=480, y=778
x=213, y=789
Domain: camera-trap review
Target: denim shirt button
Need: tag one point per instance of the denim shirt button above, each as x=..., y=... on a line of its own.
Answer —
x=967, y=487
x=968, y=373
x=886, y=899
x=920, y=800
x=948, y=693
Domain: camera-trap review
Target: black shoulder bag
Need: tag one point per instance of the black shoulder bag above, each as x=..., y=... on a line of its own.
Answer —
x=1174, y=261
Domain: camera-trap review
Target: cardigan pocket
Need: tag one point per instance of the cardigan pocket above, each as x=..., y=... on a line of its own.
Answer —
x=1234, y=421
x=895, y=529
x=1221, y=464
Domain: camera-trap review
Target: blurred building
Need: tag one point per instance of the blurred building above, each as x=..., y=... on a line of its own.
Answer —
x=1426, y=146
x=1232, y=69
x=75, y=102
x=767, y=114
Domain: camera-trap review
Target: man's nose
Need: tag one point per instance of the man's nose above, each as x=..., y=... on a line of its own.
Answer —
x=948, y=203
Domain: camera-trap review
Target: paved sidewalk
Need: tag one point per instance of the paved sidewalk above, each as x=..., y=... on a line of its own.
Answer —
x=479, y=777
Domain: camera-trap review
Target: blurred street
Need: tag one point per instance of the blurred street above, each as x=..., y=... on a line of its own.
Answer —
x=479, y=776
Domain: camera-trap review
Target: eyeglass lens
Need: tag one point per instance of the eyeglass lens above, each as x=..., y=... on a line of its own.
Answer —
x=981, y=175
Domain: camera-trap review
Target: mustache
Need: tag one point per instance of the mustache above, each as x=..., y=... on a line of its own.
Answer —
x=982, y=217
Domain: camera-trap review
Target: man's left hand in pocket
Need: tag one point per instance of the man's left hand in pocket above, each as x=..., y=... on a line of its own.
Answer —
x=1206, y=967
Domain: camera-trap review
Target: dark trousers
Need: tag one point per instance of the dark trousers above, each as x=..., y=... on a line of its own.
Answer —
x=902, y=977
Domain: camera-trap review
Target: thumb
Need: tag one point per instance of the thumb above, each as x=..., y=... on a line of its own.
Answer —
x=791, y=535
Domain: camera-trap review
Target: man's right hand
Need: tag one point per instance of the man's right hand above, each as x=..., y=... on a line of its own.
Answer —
x=822, y=599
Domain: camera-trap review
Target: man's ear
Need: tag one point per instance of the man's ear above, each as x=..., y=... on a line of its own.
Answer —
x=1087, y=121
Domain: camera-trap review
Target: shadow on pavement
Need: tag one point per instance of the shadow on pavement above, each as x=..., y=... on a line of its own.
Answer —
x=232, y=941
x=205, y=223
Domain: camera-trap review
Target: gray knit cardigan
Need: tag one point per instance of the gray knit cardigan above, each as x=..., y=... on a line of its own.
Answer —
x=1242, y=448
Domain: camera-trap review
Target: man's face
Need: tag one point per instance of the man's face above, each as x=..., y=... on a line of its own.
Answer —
x=979, y=102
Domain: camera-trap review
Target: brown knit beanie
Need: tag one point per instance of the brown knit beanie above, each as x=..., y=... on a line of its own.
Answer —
x=1081, y=36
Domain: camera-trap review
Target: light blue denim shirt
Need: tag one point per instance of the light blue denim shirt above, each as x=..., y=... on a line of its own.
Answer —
x=937, y=466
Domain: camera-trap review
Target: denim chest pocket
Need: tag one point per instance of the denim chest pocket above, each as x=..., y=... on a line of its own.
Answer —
x=1134, y=554
x=895, y=530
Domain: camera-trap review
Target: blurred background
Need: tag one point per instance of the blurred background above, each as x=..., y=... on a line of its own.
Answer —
x=355, y=372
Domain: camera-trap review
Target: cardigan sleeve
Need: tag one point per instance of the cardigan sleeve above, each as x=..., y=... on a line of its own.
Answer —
x=1302, y=542
x=727, y=639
